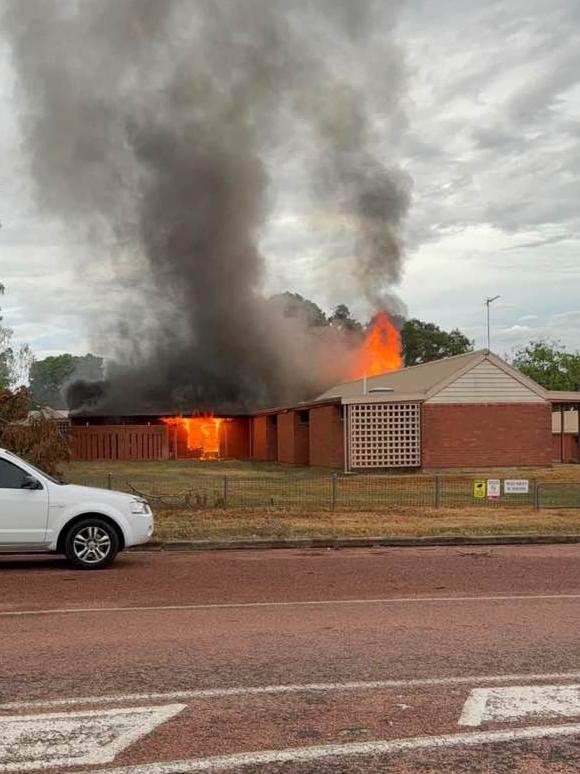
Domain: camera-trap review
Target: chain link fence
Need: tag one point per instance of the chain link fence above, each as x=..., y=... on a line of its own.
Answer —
x=351, y=492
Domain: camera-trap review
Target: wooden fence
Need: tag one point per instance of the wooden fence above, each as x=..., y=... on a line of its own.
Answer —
x=119, y=442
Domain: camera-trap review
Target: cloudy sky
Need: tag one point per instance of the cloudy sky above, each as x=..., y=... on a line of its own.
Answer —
x=491, y=141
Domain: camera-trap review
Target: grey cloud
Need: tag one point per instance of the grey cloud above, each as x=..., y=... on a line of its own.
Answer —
x=553, y=240
x=503, y=114
x=495, y=137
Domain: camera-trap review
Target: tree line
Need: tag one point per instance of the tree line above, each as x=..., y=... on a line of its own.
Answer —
x=547, y=362
x=421, y=341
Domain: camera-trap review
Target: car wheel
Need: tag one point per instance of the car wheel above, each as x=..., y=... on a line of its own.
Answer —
x=91, y=544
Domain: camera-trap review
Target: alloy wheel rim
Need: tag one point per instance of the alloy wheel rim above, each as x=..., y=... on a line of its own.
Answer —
x=92, y=544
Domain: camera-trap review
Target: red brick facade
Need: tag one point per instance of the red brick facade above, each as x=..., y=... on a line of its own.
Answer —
x=326, y=437
x=486, y=435
x=264, y=438
x=286, y=437
x=301, y=440
x=235, y=438
x=292, y=438
x=453, y=436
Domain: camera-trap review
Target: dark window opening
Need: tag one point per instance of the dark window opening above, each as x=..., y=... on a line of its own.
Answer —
x=273, y=419
x=304, y=417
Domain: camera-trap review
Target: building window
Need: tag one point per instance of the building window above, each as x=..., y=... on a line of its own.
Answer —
x=385, y=435
x=304, y=417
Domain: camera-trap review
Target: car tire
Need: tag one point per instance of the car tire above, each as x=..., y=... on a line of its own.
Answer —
x=91, y=544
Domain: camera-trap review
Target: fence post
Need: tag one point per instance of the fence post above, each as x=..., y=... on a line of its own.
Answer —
x=536, y=495
x=334, y=491
x=109, y=480
x=438, y=491
x=225, y=491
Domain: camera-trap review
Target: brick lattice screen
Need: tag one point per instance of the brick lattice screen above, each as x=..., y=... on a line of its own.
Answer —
x=385, y=435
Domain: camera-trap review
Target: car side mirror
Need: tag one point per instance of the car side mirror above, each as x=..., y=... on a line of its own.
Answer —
x=29, y=482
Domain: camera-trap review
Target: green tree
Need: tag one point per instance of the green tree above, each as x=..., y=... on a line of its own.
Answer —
x=49, y=376
x=423, y=342
x=295, y=305
x=14, y=361
x=548, y=363
x=342, y=319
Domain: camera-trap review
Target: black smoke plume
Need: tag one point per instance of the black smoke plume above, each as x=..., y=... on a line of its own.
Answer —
x=157, y=127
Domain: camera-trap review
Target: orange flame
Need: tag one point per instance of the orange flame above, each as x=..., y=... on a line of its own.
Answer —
x=203, y=434
x=381, y=349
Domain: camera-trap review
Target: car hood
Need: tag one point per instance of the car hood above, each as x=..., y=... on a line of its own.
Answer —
x=68, y=493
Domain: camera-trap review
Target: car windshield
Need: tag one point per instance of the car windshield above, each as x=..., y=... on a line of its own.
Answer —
x=54, y=480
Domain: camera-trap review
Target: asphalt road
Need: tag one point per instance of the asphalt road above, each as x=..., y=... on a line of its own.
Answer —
x=395, y=660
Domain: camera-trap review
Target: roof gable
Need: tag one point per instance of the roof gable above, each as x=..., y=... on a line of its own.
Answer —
x=413, y=381
x=489, y=381
x=428, y=380
x=485, y=382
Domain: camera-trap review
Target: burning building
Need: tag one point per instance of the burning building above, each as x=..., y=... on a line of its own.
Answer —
x=467, y=411
x=203, y=435
x=159, y=437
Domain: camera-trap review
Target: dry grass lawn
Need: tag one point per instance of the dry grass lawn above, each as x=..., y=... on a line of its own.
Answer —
x=177, y=473
x=219, y=524
x=174, y=475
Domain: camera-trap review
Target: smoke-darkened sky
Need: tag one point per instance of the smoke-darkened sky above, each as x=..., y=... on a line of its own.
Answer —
x=159, y=127
x=484, y=124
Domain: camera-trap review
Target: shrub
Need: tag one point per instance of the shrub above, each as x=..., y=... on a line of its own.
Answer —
x=37, y=439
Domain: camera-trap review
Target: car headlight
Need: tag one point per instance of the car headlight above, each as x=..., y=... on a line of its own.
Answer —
x=139, y=505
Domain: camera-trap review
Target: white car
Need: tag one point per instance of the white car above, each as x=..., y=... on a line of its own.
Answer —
x=90, y=526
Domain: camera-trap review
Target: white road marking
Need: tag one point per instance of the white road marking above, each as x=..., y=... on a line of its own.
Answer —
x=359, y=749
x=66, y=739
x=501, y=705
x=217, y=693
x=307, y=603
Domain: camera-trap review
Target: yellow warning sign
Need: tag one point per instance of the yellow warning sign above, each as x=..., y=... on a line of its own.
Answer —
x=479, y=488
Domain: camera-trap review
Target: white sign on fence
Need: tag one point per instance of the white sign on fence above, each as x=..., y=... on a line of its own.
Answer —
x=493, y=488
x=516, y=486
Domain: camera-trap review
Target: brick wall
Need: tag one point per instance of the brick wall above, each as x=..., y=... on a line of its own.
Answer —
x=326, y=437
x=235, y=438
x=301, y=441
x=292, y=438
x=264, y=439
x=486, y=435
x=286, y=437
